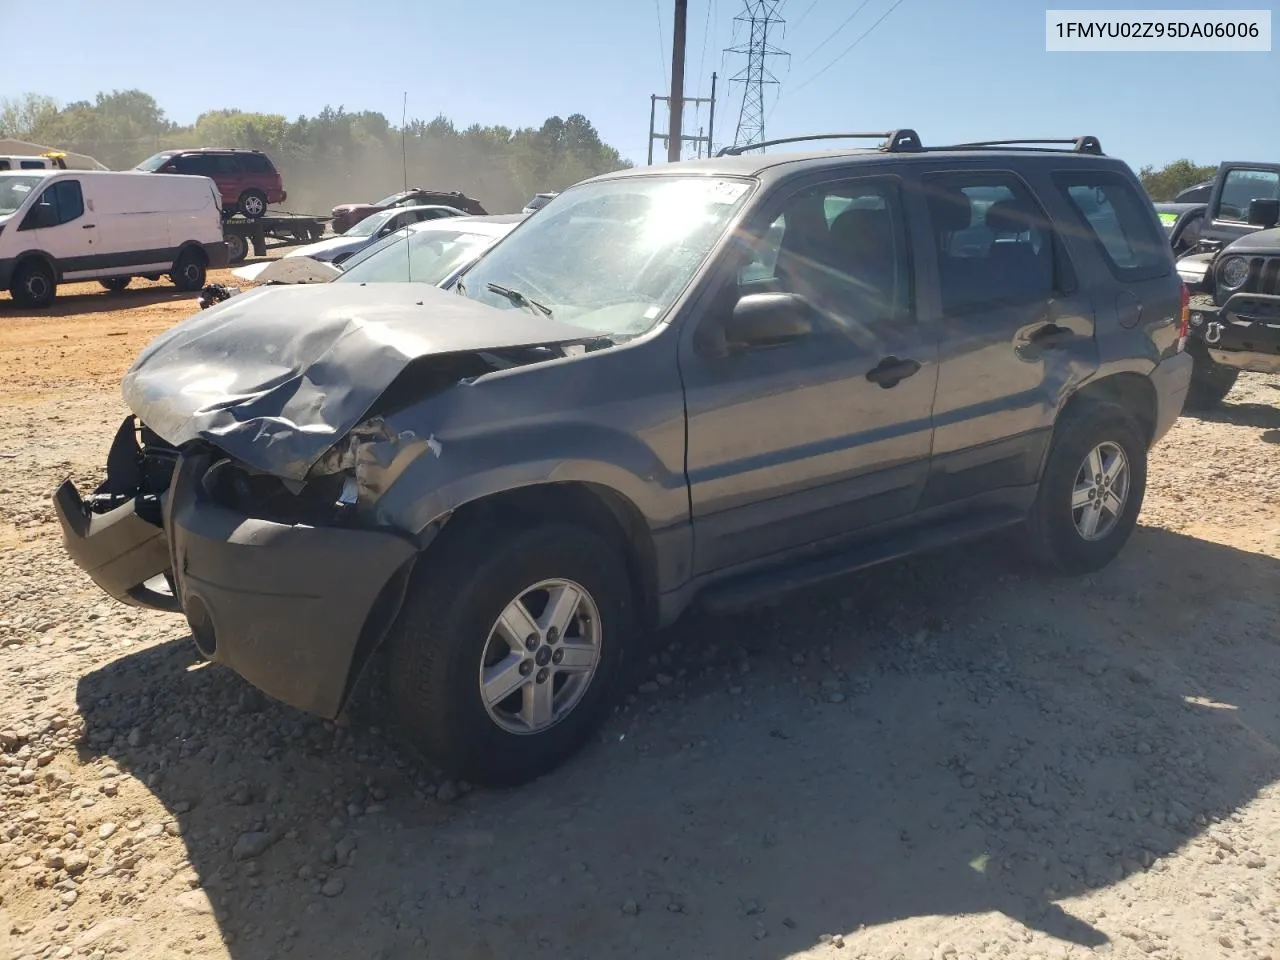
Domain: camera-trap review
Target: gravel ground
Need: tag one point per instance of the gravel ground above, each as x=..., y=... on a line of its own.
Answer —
x=942, y=758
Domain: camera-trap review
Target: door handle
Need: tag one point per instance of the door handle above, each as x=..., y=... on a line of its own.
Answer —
x=891, y=371
x=87, y=226
x=1050, y=335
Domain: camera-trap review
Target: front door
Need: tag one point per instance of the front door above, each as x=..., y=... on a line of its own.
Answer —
x=60, y=225
x=1013, y=330
x=793, y=444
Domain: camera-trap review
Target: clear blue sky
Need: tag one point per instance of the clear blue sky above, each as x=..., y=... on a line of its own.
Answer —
x=951, y=69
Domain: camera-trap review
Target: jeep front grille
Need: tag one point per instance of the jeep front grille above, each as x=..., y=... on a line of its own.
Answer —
x=1264, y=276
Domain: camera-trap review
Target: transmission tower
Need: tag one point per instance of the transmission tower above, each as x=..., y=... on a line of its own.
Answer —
x=762, y=22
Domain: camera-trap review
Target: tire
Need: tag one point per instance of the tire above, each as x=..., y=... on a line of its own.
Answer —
x=33, y=285
x=1052, y=536
x=189, y=271
x=153, y=277
x=252, y=203
x=115, y=284
x=1210, y=382
x=442, y=637
x=237, y=247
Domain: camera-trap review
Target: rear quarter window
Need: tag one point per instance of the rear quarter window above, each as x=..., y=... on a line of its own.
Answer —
x=1112, y=215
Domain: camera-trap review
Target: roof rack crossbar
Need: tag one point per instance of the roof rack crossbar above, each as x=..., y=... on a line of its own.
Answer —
x=1084, y=144
x=895, y=141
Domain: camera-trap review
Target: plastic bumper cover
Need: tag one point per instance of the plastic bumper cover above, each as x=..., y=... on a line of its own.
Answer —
x=1171, y=379
x=285, y=606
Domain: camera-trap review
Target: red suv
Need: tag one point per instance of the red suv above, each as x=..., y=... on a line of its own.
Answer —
x=247, y=179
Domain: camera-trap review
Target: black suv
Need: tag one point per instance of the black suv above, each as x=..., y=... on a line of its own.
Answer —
x=709, y=382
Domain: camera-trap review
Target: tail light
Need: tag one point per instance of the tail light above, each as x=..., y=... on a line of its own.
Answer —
x=1184, y=319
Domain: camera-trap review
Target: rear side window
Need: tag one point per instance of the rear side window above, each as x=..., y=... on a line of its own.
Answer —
x=32, y=164
x=1118, y=220
x=256, y=163
x=993, y=241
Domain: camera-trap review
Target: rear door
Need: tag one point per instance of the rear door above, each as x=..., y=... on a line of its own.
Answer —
x=805, y=441
x=1014, y=329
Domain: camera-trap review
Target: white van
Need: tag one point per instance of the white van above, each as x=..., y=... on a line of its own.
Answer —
x=60, y=226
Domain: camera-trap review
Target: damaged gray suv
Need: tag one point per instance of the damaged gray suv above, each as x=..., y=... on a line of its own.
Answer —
x=707, y=382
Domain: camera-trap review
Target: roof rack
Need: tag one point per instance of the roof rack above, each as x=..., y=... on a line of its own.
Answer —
x=895, y=141
x=1078, y=145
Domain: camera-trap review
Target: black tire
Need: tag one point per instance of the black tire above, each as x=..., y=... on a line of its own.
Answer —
x=189, y=271
x=153, y=277
x=115, y=284
x=252, y=203
x=237, y=247
x=436, y=647
x=33, y=285
x=1210, y=382
x=1050, y=536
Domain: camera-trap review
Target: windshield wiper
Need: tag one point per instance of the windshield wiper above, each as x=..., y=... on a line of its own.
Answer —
x=515, y=296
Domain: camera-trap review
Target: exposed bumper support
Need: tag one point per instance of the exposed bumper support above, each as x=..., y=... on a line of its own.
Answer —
x=1244, y=333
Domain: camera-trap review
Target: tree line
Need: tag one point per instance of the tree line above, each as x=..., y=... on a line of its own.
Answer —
x=1164, y=184
x=334, y=157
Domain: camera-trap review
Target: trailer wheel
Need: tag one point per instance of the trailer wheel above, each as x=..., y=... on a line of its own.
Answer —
x=237, y=247
x=253, y=204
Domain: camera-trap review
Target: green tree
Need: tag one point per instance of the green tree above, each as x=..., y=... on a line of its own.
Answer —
x=1165, y=184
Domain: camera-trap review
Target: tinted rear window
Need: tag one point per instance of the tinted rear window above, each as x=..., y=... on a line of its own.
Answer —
x=256, y=163
x=1118, y=220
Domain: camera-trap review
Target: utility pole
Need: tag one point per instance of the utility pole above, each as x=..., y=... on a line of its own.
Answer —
x=762, y=20
x=699, y=140
x=676, y=128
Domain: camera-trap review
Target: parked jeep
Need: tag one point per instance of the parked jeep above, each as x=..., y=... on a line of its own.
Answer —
x=1234, y=271
x=704, y=383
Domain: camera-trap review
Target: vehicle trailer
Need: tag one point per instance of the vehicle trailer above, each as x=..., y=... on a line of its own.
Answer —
x=288, y=229
x=1234, y=273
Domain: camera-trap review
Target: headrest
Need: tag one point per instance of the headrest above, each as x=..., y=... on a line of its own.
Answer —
x=1009, y=216
x=862, y=228
x=950, y=210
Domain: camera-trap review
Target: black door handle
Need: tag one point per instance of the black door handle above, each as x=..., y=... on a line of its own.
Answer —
x=1050, y=335
x=891, y=371
x=87, y=226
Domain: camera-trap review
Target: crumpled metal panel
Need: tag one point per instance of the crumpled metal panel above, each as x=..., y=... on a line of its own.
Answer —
x=276, y=376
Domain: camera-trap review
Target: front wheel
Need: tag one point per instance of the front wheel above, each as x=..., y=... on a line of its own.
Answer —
x=1091, y=492
x=33, y=285
x=1210, y=382
x=507, y=651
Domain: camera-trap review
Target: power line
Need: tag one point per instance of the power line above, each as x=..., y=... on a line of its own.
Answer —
x=662, y=56
x=845, y=52
x=706, y=29
x=831, y=36
x=800, y=19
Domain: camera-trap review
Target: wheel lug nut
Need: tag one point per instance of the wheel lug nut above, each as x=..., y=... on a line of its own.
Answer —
x=542, y=675
x=526, y=668
x=531, y=641
x=558, y=656
x=553, y=635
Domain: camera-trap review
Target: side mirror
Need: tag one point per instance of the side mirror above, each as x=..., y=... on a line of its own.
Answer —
x=768, y=320
x=40, y=217
x=1264, y=213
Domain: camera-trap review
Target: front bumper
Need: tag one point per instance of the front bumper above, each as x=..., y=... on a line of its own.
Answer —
x=1243, y=333
x=292, y=608
x=1171, y=379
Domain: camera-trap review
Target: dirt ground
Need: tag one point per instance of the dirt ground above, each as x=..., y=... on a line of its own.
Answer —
x=943, y=758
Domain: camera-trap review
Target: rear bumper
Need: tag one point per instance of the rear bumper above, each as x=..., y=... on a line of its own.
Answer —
x=1171, y=379
x=291, y=608
x=1243, y=333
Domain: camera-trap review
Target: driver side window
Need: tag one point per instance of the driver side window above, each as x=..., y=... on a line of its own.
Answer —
x=842, y=246
x=60, y=203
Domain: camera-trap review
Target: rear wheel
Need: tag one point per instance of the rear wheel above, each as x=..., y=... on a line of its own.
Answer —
x=189, y=271
x=1091, y=492
x=237, y=247
x=505, y=657
x=1210, y=382
x=33, y=285
x=115, y=284
x=252, y=203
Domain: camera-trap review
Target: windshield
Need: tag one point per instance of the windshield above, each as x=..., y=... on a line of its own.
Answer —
x=371, y=224
x=13, y=191
x=611, y=256
x=153, y=163
x=387, y=201
x=431, y=256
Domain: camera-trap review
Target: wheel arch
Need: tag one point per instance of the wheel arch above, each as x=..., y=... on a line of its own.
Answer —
x=189, y=245
x=29, y=255
x=1132, y=391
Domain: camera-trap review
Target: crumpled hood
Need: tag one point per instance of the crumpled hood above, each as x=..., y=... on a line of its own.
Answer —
x=275, y=376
